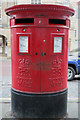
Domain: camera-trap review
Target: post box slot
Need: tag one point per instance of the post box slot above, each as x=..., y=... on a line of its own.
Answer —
x=25, y=21
x=57, y=21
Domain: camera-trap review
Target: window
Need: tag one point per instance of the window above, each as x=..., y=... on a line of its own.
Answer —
x=57, y=44
x=66, y=3
x=23, y=44
x=35, y=1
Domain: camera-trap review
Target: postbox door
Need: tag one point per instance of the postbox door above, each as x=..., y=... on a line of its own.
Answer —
x=27, y=63
x=35, y=52
x=52, y=62
x=45, y=58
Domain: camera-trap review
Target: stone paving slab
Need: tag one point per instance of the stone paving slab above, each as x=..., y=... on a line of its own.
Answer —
x=6, y=80
x=72, y=89
x=5, y=107
x=72, y=110
x=5, y=91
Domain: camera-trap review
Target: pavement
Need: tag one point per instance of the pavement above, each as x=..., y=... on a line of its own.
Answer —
x=5, y=92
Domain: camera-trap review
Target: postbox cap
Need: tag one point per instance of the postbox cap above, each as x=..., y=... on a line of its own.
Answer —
x=39, y=10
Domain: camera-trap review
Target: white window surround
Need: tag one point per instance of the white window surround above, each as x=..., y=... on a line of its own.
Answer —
x=23, y=44
x=35, y=1
x=66, y=3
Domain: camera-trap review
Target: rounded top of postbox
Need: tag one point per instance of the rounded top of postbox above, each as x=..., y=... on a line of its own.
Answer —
x=39, y=10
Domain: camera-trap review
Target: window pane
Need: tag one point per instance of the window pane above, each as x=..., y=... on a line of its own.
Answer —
x=23, y=44
x=35, y=1
x=57, y=44
x=32, y=1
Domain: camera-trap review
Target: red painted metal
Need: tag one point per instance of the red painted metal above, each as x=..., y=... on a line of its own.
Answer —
x=40, y=70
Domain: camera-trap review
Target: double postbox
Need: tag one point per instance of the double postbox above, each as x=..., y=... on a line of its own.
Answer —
x=39, y=56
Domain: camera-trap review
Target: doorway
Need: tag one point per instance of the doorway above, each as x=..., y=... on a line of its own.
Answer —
x=3, y=45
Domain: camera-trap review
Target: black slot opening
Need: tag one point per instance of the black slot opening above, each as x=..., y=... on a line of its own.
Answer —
x=25, y=21
x=57, y=21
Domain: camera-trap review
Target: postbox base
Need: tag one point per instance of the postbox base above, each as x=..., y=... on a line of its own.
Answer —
x=40, y=105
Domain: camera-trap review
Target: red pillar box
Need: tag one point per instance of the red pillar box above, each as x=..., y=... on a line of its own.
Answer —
x=39, y=55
